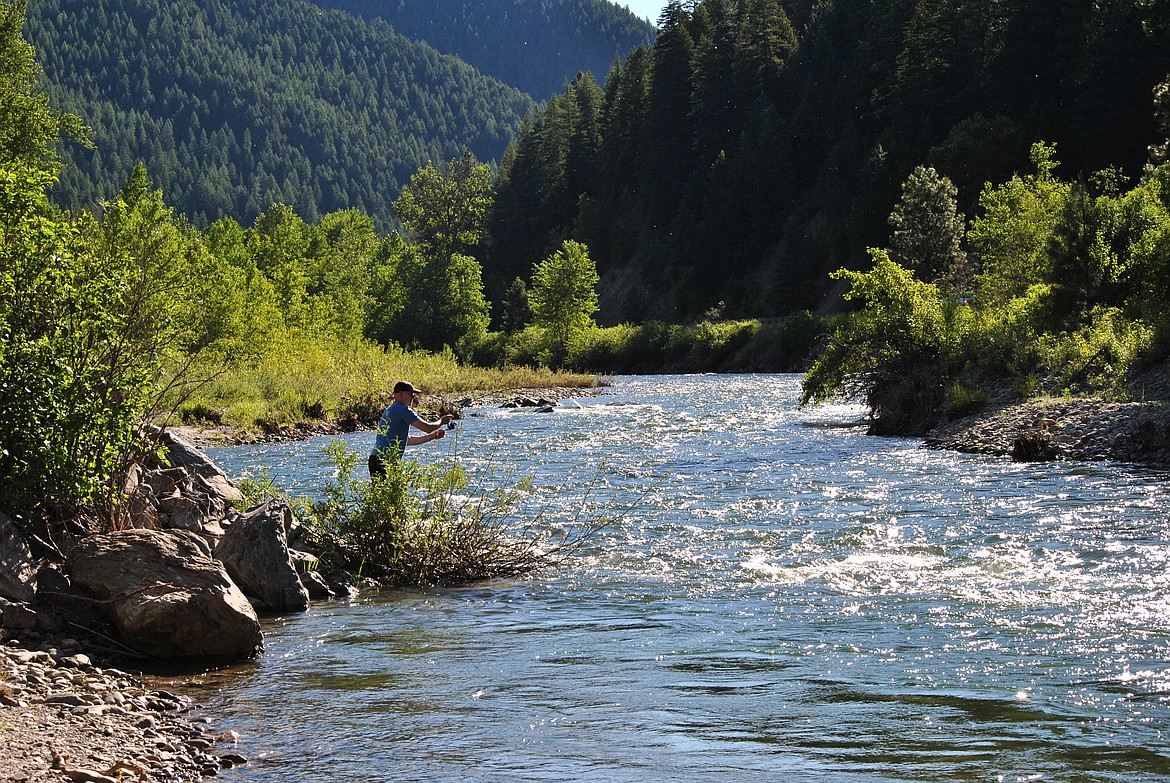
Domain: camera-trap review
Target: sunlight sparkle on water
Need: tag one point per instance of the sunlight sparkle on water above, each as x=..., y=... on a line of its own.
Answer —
x=786, y=599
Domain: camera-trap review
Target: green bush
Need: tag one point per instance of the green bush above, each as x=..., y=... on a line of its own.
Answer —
x=785, y=344
x=712, y=345
x=1096, y=358
x=963, y=400
x=91, y=313
x=898, y=354
x=199, y=413
x=427, y=526
x=604, y=349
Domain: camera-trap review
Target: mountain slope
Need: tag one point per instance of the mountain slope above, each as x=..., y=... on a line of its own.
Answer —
x=235, y=104
x=535, y=46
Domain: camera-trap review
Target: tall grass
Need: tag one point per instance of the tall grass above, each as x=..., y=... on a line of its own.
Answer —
x=778, y=345
x=309, y=380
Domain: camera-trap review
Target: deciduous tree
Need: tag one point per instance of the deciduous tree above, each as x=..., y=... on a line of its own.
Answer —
x=443, y=210
x=563, y=296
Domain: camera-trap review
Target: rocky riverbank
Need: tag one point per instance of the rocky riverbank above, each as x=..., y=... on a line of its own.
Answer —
x=211, y=435
x=63, y=718
x=180, y=579
x=1063, y=429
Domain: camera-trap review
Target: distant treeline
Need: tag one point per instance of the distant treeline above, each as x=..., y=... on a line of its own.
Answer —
x=759, y=144
x=534, y=46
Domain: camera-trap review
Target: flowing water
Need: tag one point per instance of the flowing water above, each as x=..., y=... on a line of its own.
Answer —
x=786, y=600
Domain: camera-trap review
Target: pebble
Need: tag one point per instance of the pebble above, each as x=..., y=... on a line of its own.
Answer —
x=95, y=718
x=1076, y=429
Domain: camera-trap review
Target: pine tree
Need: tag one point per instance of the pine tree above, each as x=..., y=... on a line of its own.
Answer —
x=927, y=227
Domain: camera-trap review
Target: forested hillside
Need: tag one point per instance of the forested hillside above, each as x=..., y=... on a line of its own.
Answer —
x=237, y=104
x=759, y=144
x=534, y=45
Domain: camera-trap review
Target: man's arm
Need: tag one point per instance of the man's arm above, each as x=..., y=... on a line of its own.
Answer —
x=431, y=426
x=418, y=440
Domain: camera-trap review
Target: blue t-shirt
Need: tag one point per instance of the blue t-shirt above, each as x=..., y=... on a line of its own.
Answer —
x=394, y=428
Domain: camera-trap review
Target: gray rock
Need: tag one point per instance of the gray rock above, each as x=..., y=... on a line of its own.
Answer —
x=167, y=597
x=17, y=616
x=255, y=552
x=316, y=586
x=18, y=570
x=142, y=508
x=180, y=513
x=213, y=495
x=182, y=453
x=165, y=483
x=79, y=661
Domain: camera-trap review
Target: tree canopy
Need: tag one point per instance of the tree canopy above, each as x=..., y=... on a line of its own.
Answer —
x=758, y=144
x=533, y=46
x=239, y=104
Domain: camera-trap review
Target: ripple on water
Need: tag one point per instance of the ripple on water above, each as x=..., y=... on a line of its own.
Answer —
x=785, y=599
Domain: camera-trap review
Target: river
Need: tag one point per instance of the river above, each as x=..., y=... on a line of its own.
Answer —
x=787, y=599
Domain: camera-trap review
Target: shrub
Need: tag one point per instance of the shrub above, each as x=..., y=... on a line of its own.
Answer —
x=604, y=349
x=426, y=526
x=1095, y=358
x=898, y=353
x=713, y=344
x=91, y=312
x=785, y=344
x=199, y=413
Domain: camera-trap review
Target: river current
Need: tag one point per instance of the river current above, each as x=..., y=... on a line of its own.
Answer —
x=783, y=598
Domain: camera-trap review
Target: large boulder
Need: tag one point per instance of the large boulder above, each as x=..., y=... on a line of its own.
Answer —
x=18, y=570
x=254, y=549
x=166, y=595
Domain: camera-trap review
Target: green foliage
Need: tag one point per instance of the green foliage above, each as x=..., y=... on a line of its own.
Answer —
x=443, y=207
x=34, y=380
x=29, y=129
x=535, y=47
x=786, y=344
x=93, y=314
x=1097, y=356
x=563, y=298
x=757, y=143
x=443, y=210
x=927, y=227
x=1014, y=228
x=283, y=276
x=898, y=353
x=86, y=311
x=236, y=105
x=428, y=525
x=517, y=311
x=1072, y=297
x=307, y=379
x=781, y=345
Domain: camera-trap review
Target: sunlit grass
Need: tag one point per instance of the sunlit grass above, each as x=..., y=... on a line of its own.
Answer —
x=313, y=380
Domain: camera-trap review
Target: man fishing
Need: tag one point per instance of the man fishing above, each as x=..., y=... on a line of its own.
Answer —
x=394, y=429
